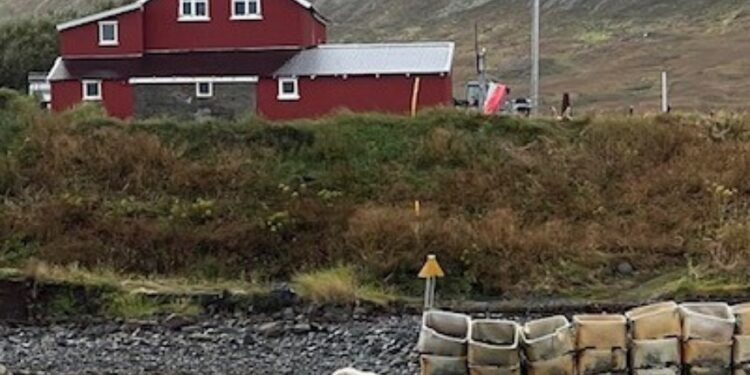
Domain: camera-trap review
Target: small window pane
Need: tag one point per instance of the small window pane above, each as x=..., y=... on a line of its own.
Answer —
x=288, y=87
x=187, y=8
x=204, y=89
x=200, y=9
x=240, y=8
x=108, y=32
x=253, y=7
x=92, y=89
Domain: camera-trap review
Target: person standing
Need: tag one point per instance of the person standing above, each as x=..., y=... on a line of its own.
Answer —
x=566, y=110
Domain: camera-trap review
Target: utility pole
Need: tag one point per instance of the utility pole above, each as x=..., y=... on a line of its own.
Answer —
x=664, y=92
x=484, y=87
x=480, y=54
x=535, y=58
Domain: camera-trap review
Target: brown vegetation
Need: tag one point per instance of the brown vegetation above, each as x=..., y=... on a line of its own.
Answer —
x=510, y=207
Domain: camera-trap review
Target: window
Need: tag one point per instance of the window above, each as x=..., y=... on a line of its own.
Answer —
x=109, y=33
x=204, y=89
x=92, y=90
x=288, y=89
x=194, y=10
x=246, y=10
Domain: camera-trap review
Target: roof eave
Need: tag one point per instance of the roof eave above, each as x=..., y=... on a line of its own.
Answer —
x=140, y=3
x=102, y=15
x=364, y=74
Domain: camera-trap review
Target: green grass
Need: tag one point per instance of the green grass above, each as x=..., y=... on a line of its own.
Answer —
x=594, y=37
x=339, y=285
x=130, y=306
x=512, y=207
x=182, y=307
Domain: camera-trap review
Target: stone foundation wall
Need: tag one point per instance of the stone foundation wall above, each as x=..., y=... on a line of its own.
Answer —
x=229, y=100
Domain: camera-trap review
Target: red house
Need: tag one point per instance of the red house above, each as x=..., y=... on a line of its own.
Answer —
x=225, y=58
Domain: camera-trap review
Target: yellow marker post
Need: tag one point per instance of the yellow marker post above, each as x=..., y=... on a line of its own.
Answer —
x=431, y=271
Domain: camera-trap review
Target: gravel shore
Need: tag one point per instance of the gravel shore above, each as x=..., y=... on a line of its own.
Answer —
x=384, y=345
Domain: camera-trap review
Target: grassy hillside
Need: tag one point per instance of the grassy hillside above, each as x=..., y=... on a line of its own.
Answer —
x=18, y=9
x=607, y=53
x=653, y=206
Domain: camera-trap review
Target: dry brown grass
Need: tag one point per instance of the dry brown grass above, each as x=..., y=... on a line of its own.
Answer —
x=339, y=285
x=510, y=207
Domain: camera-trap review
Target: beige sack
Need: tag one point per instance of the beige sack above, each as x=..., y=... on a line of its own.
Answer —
x=439, y=365
x=444, y=334
x=645, y=354
x=654, y=322
x=547, y=338
x=707, y=321
x=707, y=354
x=593, y=361
x=600, y=331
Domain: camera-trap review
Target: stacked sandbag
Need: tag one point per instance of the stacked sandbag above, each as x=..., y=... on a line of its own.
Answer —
x=656, y=332
x=708, y=330
x=741, y=351
x=494, y=347
x=443, y=343
x=601, y=344
x=548, y=346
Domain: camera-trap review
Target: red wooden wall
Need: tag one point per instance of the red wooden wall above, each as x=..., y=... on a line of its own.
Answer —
x=323, y=95
x=83, y=41
x=117, y=97
x=285, y=24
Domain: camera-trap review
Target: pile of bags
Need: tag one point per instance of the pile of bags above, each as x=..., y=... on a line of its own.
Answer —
x=660, y=339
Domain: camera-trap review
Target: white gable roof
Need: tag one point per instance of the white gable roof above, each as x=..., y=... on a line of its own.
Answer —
x=138, y=5
x=367, y=59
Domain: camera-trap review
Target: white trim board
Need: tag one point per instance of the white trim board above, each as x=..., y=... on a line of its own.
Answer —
x=178, y=80
x=139, y=5
x=102, y=15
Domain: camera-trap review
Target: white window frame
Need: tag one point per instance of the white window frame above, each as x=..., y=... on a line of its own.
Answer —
x=200, y=94
x=247, y=16
x=182, y=17
x=109, y=43
x=84, y=86
x=288, y=96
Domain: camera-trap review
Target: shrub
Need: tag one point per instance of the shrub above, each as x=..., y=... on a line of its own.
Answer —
x=510, y=206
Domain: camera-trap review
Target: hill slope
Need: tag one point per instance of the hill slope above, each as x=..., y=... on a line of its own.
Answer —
x=608, y=53
x=650, y=207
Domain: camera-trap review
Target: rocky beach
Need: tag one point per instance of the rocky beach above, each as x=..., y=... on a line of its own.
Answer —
x=283, y=344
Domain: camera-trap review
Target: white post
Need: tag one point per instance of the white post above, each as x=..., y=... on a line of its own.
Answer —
x=535, y=58
x=429, y=293
x=664, y=92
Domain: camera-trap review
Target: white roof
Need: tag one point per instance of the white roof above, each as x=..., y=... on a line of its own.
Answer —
x=135, y=6
x=366, y=59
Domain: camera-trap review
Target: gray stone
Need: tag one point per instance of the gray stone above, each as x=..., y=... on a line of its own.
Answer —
x=625, y=269
x=272, y=329
x=176, y=322
x=202, y=337
x=229, y=100
x=288, y=313
x=302, y=328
